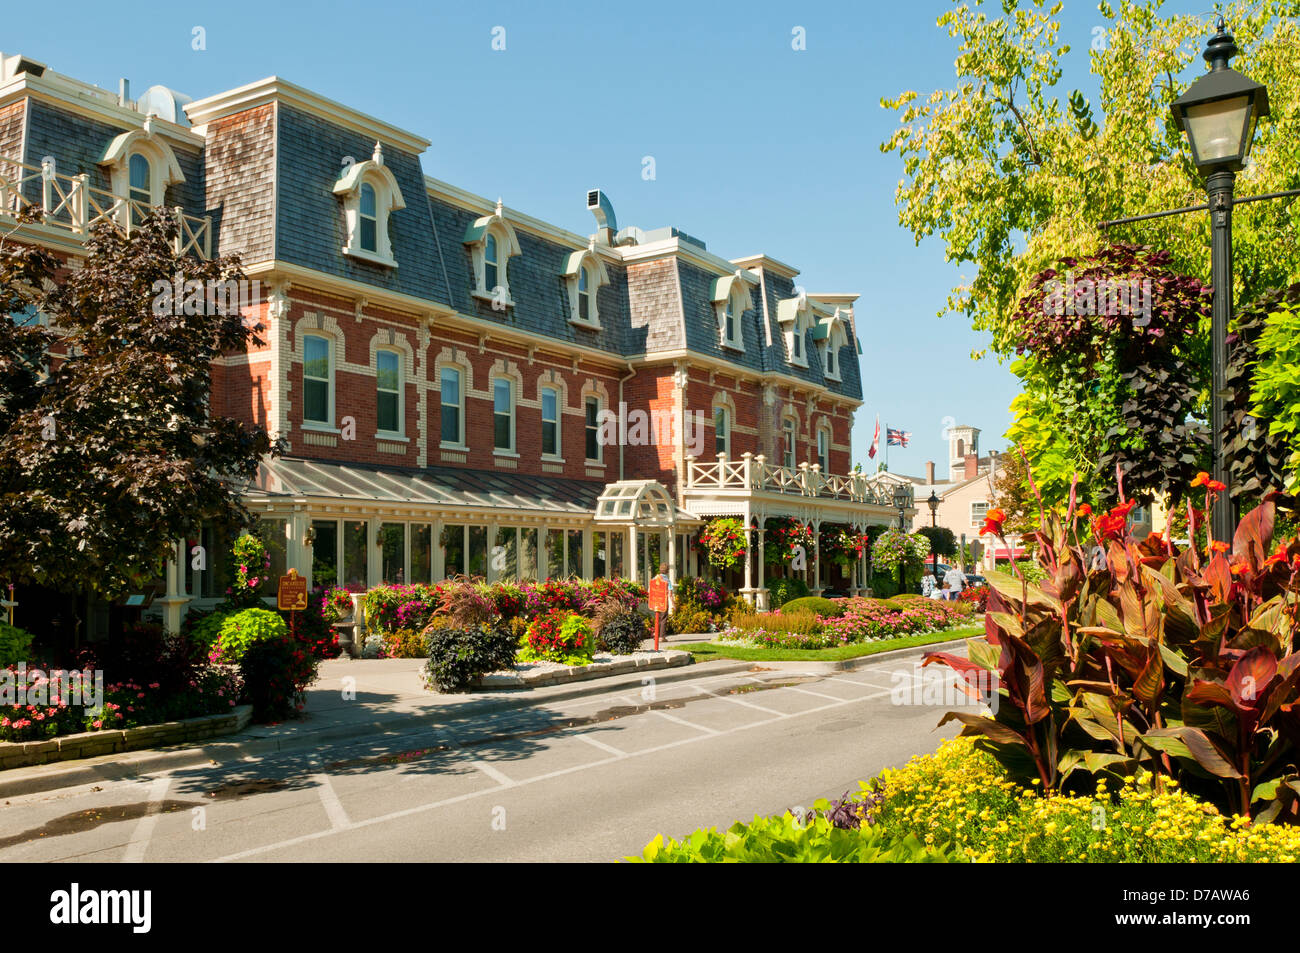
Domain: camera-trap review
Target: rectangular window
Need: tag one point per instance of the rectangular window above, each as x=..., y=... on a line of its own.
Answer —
x=978, y=511
x=823, y=451
x=325, y=553
x=505, y=554
x=593, y=428
x=528, y=555
x=550, y=422
x=316, y=380
x=392, y=544
x=721, y=430
x=356, y=554
x=575, y=552
x=453, y=543
x=555, y=554
x=788, y=455
x=451, y=406
x=421, y=553
x=503, y=415
x=388, y=380
x=478, y=550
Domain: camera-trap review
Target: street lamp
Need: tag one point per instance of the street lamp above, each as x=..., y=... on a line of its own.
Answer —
x=933, y=503
x=1219, y=112
x=902, y=497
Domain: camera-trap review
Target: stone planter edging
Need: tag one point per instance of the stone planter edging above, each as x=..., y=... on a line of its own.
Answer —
x=89, y=744
x=562, y=676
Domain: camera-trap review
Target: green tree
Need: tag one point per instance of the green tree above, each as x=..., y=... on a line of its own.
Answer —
x=109, y=450
x=1013, y=169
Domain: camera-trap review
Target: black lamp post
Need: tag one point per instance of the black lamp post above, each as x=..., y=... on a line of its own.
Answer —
x=933, y=503
x=902, y=497
x=1219, y=112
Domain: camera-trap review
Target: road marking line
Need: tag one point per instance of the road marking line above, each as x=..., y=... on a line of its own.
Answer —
x=143, y=832
x=741, y=701
x=447, y=802
x=683, y=721
x=493, y=773
x=854, y=681
x=596, y=743
x=330, y=801
x=804, y=691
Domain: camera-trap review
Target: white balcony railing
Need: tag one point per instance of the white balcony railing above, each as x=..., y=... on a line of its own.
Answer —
x=754, y=473
x=72, y=203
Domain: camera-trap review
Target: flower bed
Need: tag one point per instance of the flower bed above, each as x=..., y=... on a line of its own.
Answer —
x=863, y=620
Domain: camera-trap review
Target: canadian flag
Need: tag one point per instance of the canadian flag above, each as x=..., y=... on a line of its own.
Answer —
x=875, y=441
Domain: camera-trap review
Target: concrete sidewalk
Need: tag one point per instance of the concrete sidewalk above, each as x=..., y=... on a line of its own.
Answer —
x=385, y=697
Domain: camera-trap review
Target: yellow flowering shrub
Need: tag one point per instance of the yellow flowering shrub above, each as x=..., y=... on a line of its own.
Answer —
x=962, y=795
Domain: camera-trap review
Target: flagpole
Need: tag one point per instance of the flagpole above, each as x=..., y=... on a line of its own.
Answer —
x=886, y=446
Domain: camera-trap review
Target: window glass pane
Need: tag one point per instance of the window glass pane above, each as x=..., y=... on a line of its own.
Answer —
x=316, y=401
x=550, y=423
x=356, y=561
x=450, y=405
x=368, y=200
x=593, y=430
x=599, y=562
x=720, y=430
x=388, y=413
x=139, y=172
x=501, y=414
x=369, y=234
x=388, y=370
x=478, y=550
x=316, y=358
x=490, y=249
x=616, y=567
x=554, y=553
x=453, y=542
x=654, y=551
x=325, y=553
x=421, y=552
x=392, y=543
x=528, y=554
x=575, y=552
x=505, y=554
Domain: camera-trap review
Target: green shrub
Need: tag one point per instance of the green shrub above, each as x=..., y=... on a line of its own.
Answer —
x=559, y=636
x=781, y=591
x=623, y=633
x=883, y=585
x=404, y=643
x=788, y=839
x=241, y=629
x=689, y=618
x=798, y=622
x=276, y=673
x=204, y=628
x=822, y=607
x=459, y=655
x=15, y=644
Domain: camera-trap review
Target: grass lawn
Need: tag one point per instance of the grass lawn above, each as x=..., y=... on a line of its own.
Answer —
x=703, y=651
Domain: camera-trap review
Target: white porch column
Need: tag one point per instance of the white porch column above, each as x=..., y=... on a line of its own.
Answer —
x=489, y=570
x=748, y=591
x=816, y=588
x=588, y=553
x=633, y=557
x=672, y=556
x=174, y=602
x=760, y=597
x=374, y=556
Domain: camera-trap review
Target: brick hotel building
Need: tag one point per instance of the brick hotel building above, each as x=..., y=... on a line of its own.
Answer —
x=440, y=364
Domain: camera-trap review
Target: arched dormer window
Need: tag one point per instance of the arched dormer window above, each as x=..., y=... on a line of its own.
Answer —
x=831, y=336
x=492, y=243
x=731, y=299
x=369, y=193
x=584, y=275
x=795, y=316
x=141, y=166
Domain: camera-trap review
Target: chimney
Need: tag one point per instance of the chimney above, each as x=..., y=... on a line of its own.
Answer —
x=993, y=465
x=972, y=466
x=929, y=473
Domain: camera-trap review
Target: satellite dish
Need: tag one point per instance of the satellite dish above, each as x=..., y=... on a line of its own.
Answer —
x=165, y=104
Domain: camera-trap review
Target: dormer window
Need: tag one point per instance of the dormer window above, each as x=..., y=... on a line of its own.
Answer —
x=731, y=299
x=139, y=190
x=830, y=336
x=141, y=167
x=795, y=316
x=369, y=193
x=584, y=274
x=492, y=243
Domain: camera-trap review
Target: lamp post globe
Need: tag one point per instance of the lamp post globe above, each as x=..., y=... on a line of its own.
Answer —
x=1219, y=113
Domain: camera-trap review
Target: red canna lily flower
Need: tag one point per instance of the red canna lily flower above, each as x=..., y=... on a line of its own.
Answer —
x=1110, y=526
x=1085, y=509
x=1217, y=486
x=1123, y=509
x=1202, y=478
x=1279, y=556
x=1219, y=546
x=1238, y=568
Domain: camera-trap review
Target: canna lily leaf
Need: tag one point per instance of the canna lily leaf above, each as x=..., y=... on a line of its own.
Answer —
x=980, y=725
x=1203, y=749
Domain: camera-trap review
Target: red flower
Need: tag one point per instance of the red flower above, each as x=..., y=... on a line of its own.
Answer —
x=1085, y=509
x=993, y=521
x=1217, y=486
x=1279, y=556
x=1219, y=546
x=1123, y=509
x=1202, y=479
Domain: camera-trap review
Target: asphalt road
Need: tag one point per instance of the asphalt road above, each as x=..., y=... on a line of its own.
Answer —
x=591, y=779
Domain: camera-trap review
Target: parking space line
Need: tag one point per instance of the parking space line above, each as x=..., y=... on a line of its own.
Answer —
x=597, y=743
x=330, y=801
x=143, y=832
x=804, y=691
x=493, y=773
x=741, y=701
x=683, y=721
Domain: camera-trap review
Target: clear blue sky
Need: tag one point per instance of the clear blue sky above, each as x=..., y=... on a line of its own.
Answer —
x=758, y=147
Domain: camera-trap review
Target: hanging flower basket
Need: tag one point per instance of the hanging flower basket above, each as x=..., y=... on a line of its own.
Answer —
x=722, y=540
x=784, y=535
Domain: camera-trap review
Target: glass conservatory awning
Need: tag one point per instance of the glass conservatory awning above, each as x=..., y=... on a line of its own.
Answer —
x=636, y=503
x=439, y=486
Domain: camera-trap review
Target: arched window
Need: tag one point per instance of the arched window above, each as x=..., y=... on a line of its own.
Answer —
x=787, y=452
x=550, y=422
x=503, y=414
x=824, y=449
x=317, y=380
x=584, y=294
x=721, y=430
x=388, y=386
x=369, y=219
x=453, y=407
x=491, y=269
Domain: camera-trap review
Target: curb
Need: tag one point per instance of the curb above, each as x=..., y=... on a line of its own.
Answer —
x=864, y=661
x=43, y=778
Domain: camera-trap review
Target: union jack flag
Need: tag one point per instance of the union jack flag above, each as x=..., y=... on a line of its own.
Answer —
x=897, y=438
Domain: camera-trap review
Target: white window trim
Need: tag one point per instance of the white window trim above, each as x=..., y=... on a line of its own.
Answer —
x=507, y=248
x=329, y=425
x=558, y=455
x=388, y=199
x=513, y=386
x=400, y=432
x=164, y=170
x=597, y=278
x=794, y=315
x=600, y=448
x=836, y=339
x=731, y=291
x=460, y=407
x=790, y=442
x=722, y=400
x=977, y=520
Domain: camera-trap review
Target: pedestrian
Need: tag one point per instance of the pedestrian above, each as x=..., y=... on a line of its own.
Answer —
x=953, y=582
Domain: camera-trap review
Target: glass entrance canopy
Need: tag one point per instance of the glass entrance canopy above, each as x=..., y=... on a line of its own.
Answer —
x=636, y=503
